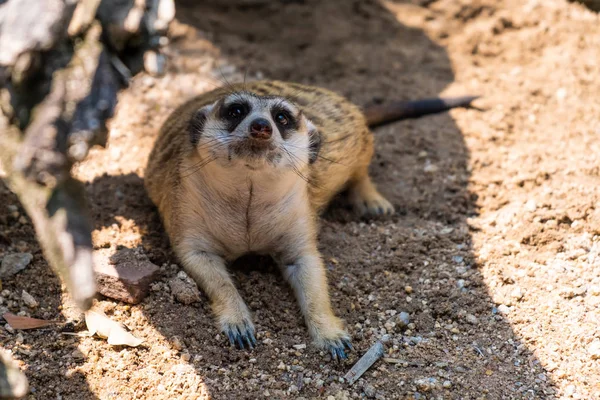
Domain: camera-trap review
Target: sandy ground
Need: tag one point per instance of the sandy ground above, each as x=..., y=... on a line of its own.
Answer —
x=494, y=251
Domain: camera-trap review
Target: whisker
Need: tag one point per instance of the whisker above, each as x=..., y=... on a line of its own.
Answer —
x=318, y=155
x=202, y=165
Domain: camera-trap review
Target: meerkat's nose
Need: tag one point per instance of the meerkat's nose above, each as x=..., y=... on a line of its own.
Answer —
x=260, y=128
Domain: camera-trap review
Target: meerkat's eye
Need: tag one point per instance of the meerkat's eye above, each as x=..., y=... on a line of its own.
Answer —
x=235, y=111
x=282, y=119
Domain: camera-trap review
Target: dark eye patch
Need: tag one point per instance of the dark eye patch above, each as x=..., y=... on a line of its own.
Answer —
x=234, y=113
x=285, y=120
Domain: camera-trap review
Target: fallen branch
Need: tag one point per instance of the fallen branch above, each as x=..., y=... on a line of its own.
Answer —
x=62, y=65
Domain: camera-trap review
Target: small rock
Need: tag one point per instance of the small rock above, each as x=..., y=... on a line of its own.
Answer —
x=299, y=346
x=403, y=319
x=281, y=366
x=447, y=384
x=531, y=205
x=594, y=290
x=177, y=344
x=77, y=354
x=561, y=94
x=458, y=259
x=185, y=292
x=29, y=300
x=182, y=275
x=431, y=168
x=369, y=391
x=14, y=263
x=20, y=339
x=9, y=328
x=569, y=390
x=503, y=309
x=426, y=384
x=594, y=349
x=471, y=319
x=408, y=289
x=517, y=293
x=124, y=276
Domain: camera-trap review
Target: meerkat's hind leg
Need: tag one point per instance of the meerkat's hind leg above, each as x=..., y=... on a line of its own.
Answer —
x=233, y=316
x=365, y=197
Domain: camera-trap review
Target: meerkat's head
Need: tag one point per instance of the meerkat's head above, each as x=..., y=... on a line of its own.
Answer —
x=254, y=132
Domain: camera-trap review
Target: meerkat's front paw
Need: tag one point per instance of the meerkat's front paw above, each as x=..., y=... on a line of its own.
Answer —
x=334, y=340
x=239, y=329
x=337, y=347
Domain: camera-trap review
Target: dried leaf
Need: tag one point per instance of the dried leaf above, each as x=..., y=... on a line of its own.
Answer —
x=19, y=322
x=98, y=323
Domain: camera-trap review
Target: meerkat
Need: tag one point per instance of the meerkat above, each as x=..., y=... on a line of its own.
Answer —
x=248, y=168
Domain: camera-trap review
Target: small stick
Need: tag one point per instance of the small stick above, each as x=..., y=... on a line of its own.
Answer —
x=375, y=353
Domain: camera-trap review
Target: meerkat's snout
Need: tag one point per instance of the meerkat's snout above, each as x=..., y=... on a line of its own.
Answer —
x=261, y=130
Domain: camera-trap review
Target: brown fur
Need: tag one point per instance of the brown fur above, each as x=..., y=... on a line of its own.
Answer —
x=213, y=217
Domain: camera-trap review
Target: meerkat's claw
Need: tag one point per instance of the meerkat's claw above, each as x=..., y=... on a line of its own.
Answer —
x=337, y=348
x=239, y=335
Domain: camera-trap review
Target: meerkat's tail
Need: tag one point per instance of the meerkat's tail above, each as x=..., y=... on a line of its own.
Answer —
x=398, y=110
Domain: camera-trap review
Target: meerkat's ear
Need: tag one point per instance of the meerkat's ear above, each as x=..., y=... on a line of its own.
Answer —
x=314, y=144
x=196, y=124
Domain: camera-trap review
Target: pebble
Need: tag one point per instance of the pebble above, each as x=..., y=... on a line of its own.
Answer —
x=531, y=205
x=299, y=346
x=182, y=275
x=458, y=259
x=177, y=344
x=447, y=384
x=369, y=391
x=517, y=293
x=408, y=289
x=503, y=309
x=594, y=349
x=431, y=168
x=426, y=384
x=404, y=318
x=471, y=319
x=185, y=292
x=569, y=390
x=29, y=300
x=14, y=263
x=77, y=354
